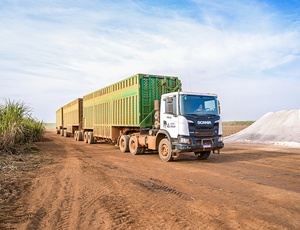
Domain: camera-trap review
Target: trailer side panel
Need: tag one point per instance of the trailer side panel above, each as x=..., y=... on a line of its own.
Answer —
x=72, y=115
x=126, y=104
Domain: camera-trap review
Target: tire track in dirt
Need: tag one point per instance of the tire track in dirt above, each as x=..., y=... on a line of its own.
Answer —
x=97, y=187
x=79, y=194
x=98, y=199
x=162, y=200
x=155, y=185
x=57, y=200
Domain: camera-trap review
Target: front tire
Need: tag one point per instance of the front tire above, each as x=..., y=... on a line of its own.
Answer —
x=203, y=155
x=165, y=150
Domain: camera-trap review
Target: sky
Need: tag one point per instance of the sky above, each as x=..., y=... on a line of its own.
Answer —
x=247, y=52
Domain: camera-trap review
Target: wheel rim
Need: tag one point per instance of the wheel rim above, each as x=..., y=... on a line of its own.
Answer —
x=122, y=143
x=164, y=150
x=132, y=145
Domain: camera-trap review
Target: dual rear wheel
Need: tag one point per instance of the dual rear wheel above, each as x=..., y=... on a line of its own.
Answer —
x=78, y=136
x=88, y=137
x=130, y=144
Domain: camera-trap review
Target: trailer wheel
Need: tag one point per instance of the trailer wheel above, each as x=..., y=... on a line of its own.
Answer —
x=90, y=138
x=165, y=150
x=62, y=132
x=124, y=143
x=202, y=155
x=85, y=137
x=76, y=135
x=80, y=136
x=133, y=146
x=66, y=134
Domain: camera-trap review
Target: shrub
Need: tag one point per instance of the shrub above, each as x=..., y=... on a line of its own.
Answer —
x=17, y=128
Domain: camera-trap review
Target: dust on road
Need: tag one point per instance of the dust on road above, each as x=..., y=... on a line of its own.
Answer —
x=247, y=186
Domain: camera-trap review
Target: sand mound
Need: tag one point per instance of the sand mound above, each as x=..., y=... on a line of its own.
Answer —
x=282, y=128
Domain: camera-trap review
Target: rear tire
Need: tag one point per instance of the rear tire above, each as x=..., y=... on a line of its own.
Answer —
x=202, y=155
x=76, y=135
x=90, y=138
x=165, y=150
x=85, y=137
x=124, y=143
x=66, y=134
x=133, y=146
x=80, y=136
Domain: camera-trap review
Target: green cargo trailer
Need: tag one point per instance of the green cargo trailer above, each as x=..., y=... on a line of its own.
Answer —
x=59, y=120
x=125, y=106
x=72, y=117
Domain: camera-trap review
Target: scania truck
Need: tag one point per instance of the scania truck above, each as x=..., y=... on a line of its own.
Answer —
x=150, y=112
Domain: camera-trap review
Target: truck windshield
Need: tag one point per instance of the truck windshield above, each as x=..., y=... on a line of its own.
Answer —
x=197, y=104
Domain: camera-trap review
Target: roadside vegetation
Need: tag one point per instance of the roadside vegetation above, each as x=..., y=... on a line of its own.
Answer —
x=234, y=123
x=18, y=153
x=232, y=127
x=18, y=129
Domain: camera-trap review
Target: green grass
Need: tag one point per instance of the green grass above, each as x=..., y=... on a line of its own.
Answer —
x=238, y=123
x=18, y=129
x=50, y=125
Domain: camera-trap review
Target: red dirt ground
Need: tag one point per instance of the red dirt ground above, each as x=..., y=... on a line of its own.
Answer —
x=247, y=186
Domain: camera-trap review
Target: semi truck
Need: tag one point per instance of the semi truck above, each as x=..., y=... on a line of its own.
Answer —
x=146, y=112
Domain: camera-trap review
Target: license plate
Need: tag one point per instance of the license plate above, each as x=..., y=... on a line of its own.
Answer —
x=206, y=145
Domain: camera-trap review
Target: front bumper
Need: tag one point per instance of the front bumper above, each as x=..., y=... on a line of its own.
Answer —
x=199, y=145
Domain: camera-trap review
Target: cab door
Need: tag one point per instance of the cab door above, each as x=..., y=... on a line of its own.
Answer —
x=169, y=117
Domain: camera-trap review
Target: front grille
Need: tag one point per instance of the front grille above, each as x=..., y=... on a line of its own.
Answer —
x=204, y=133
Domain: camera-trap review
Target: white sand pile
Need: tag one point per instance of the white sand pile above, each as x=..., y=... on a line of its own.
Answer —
x=281, y=128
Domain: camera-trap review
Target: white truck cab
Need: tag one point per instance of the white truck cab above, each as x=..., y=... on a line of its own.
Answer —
x=191, y=122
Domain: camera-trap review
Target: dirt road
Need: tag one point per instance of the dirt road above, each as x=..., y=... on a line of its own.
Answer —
x=96, y=186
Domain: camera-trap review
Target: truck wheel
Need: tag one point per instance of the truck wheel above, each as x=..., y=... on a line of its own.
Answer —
x=133, y=146
x=80, y=136
x=85, y=137
x=142, y=150
x=165, y=150
x=202, y=155
x=124, y=143
x=90, y=139
x=57, y=131
x=76, y=135
x=62, y=132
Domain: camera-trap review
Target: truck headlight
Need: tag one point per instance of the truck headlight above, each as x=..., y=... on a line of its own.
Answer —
x=184, y=140
x=220, y=139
